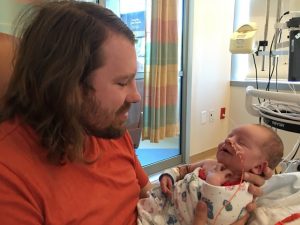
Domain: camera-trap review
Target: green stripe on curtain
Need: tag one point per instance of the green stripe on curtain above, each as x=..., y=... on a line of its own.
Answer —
x=163, y=118
x=166, y=53
x=161, y=73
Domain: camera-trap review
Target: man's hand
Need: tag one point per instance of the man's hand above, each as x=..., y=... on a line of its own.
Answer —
x=200, y=214
x=254, y=188
x=257, y=181
x=145, y=189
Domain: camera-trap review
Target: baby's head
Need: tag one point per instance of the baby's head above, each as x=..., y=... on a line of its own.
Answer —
x=250, y=147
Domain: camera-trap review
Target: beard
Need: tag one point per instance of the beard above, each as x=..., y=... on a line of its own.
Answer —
x=100, y=122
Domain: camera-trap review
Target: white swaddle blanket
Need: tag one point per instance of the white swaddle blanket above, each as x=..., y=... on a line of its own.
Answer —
x=225, y=203
x=281, y=199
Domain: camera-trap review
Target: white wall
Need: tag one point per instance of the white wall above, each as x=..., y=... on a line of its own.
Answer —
x=209, y=67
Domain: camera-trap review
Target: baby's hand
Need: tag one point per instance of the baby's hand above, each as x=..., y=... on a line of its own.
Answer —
x=166, y=185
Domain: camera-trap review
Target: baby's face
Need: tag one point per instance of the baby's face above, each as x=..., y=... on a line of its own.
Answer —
x=242, y=148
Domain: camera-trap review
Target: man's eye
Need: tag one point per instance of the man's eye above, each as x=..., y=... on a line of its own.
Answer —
x=122, y=84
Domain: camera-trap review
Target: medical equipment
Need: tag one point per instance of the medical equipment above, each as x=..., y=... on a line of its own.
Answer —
x=290, y=165
x=293, y=44
x=279, y=110
x=242, y=41
x=294, y=53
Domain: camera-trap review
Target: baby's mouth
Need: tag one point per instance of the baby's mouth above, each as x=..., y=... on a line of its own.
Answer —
x=227, y=151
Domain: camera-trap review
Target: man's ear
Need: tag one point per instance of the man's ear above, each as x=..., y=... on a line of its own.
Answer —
x=259, y=169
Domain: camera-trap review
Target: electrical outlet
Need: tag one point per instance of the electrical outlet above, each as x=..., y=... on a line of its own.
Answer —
x=212, y=116
x=203, y=117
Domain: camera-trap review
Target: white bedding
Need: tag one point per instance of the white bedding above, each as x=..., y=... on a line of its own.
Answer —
x=281, y=199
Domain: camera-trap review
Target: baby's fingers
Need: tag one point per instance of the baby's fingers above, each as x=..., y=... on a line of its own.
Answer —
x=166, y=187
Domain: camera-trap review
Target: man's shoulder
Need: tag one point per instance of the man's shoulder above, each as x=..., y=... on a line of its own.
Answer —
x=7, y=130
x=16, y=140
x=12, y=131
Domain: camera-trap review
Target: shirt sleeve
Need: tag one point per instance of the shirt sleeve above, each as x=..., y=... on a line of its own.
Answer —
x=17, y=205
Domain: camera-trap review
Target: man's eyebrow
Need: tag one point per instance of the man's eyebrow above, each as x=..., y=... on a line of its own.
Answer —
x=126, y=76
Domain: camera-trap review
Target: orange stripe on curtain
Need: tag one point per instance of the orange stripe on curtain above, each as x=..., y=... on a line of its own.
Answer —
x=161, y=73
x=166, y=96
x=166, y=35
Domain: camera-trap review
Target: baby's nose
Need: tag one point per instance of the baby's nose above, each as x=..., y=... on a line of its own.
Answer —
x=229, y=141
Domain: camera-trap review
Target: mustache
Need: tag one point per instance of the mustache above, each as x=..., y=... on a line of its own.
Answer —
x=125, y=107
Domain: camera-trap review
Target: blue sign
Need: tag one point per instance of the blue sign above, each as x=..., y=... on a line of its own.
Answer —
x=135, y=21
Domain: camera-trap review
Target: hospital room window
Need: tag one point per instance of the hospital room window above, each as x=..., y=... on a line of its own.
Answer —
x=137, y=15
x=269, y=55
x=133, y=13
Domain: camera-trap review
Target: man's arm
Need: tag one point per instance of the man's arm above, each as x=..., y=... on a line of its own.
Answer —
x=145, y=189
x=17, y=203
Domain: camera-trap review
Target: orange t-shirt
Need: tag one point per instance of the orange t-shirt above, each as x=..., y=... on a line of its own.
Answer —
x=33, y=191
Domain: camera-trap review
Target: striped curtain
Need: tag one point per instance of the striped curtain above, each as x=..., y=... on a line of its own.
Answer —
x=161, y=73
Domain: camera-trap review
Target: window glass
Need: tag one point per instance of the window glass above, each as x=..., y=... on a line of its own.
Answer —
x=137, y=15
x=133, y=13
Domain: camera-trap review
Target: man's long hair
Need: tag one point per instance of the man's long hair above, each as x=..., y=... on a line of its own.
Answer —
x=60, y=45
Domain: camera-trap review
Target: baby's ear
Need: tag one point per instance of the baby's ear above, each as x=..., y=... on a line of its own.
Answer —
x=259, y=169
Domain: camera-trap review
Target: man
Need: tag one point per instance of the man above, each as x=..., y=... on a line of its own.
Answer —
x=65, y=154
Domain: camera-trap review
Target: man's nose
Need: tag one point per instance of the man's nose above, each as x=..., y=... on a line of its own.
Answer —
x=136, y=97
x=133, y=95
